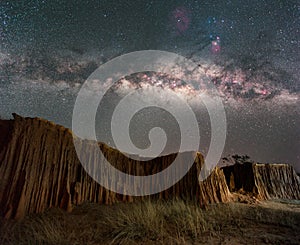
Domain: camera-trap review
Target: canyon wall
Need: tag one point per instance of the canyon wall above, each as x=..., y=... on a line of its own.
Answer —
x=39, y=169
x=276, y=181
x=264, y=181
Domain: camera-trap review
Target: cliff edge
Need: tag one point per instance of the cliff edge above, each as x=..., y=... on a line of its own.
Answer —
x=39, y=169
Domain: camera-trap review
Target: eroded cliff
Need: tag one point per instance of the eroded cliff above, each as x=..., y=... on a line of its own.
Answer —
x=263, y=181
x=39, y=169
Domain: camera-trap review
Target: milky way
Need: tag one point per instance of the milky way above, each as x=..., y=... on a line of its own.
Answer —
x=248, y=50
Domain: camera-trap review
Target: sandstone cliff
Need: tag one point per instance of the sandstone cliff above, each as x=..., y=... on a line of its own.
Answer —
x=264, y=181
x=39, y=169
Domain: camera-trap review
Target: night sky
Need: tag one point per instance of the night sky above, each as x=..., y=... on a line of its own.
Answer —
x=249, y=50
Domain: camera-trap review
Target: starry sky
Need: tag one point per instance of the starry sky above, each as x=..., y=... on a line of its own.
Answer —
x=249, y=50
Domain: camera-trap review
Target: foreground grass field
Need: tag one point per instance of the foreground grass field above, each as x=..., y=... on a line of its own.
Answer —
x=157, y=222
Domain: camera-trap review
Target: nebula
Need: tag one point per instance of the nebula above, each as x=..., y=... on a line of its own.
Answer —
x=216, y=45
x=181, y=19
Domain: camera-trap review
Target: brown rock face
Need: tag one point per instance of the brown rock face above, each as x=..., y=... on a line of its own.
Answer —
x=265, y=181
x=276, y=181
x=39, y=169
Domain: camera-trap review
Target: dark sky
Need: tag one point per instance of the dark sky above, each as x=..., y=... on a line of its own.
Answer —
x=49, y=48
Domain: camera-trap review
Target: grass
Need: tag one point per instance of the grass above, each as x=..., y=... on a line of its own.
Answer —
x=156, y=222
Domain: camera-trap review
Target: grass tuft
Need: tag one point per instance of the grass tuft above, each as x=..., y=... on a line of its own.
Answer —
x=156, y=222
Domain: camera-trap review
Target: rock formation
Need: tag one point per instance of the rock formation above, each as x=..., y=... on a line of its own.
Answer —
x=264, y=181
x=39, y=169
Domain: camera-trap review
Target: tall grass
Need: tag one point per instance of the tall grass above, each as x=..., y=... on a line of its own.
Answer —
x=157, y=221
x=172, y=222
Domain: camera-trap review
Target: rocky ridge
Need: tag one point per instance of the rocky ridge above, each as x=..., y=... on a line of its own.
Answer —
x=39, y=169
x=263, y=181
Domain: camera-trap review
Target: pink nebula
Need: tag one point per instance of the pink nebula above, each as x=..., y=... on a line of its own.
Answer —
x=216, y=46
x=181, y=19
